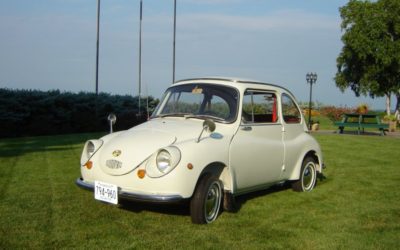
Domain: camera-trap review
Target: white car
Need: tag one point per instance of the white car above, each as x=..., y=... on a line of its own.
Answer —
x=209, y=140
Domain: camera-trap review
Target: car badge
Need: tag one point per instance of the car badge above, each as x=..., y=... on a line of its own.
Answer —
x=116, y=153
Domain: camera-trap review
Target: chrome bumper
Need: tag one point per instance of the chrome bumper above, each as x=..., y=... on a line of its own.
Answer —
x=133, y=196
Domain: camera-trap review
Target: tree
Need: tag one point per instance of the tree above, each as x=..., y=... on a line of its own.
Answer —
x=369, y=62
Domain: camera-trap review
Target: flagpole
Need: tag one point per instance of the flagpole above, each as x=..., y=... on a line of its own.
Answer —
x=97, y=47
x=173, y=56
x=140, y=52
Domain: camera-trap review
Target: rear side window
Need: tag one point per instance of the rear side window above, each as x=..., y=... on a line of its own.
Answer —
x=291, y=114
x=259, y=107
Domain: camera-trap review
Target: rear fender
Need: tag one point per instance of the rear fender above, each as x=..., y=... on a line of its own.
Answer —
x=312, y=153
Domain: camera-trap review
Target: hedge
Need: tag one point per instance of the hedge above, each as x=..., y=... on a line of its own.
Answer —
x=33, y=112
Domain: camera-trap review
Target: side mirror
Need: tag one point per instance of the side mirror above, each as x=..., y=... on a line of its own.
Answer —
x=112, y=119
x=208, y=125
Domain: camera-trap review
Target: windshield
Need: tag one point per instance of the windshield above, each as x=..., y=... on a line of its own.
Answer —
x=200, y=101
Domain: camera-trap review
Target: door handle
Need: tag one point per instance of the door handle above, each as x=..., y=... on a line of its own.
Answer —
x=246, y=128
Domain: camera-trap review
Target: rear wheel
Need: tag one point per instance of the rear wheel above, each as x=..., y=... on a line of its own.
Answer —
x=206, y=201
x=308, y=176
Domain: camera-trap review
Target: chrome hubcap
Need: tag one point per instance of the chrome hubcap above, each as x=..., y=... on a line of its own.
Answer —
x=309, y=176
x=212, y=203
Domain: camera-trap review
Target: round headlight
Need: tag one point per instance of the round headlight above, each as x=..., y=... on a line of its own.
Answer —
x=163, y=160
x=90, y=148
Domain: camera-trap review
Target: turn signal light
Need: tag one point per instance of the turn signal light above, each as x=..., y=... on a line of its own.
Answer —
x=89, y=165
x=141, y=173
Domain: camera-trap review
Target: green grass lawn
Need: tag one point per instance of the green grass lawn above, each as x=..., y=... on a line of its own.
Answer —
x=324, y=122
x=356, y=206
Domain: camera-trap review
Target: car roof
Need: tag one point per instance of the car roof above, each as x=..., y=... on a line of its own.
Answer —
x=232, y=80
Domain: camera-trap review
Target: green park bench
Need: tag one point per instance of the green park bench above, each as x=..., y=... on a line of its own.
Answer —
x=361, y=122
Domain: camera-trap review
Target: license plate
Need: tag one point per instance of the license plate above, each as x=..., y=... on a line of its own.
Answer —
x=106, y=192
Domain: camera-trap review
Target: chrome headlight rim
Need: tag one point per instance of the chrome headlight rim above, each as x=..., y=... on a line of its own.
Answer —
x=90, y=149
x=163, y=161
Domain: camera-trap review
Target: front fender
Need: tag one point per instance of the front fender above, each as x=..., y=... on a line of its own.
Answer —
x=209, y=155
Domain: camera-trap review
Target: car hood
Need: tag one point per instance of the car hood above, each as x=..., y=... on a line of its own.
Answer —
x=127, y=150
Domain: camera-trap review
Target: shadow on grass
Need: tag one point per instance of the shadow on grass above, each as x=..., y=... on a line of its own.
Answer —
x=242, y=199
x=183, y=208
x=19, y=146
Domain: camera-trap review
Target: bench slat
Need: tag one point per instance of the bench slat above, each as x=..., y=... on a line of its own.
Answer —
x=361, y=124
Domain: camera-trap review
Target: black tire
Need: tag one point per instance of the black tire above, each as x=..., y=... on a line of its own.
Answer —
x=206, y=201
x=308, y=176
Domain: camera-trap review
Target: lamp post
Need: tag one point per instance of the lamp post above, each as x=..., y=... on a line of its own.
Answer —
x=311, y=79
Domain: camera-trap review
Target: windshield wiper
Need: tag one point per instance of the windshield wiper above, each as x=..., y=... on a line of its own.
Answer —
x=204, y=117
x=171, y=114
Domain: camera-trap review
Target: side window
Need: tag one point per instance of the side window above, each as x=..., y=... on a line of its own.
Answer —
x=291, y=114
x=259, y=107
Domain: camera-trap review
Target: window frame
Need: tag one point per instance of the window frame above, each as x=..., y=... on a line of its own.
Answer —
x=300, y=117
x=170, y=91
x=252, y=121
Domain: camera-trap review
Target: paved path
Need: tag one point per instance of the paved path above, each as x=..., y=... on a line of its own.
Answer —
x=350, y=132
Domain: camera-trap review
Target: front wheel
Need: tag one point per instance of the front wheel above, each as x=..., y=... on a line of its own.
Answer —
x=308, y=176
x=206, y=201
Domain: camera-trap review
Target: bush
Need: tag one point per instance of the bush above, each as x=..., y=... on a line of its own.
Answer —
x=313, y=112
x=362, y=108
x=335, y=113
x=31, y=112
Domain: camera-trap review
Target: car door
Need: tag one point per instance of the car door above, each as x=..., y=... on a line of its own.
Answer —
x=257, y=150
x=293, y=127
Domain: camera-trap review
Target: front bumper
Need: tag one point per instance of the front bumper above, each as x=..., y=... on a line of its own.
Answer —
x=134, y=196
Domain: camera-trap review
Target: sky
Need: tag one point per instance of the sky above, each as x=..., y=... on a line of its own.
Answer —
x=51, y=44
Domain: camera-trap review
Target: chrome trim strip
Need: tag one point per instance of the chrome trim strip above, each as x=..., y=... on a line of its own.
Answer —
x=80, y=183
x=229, y=79
x=133, y=196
